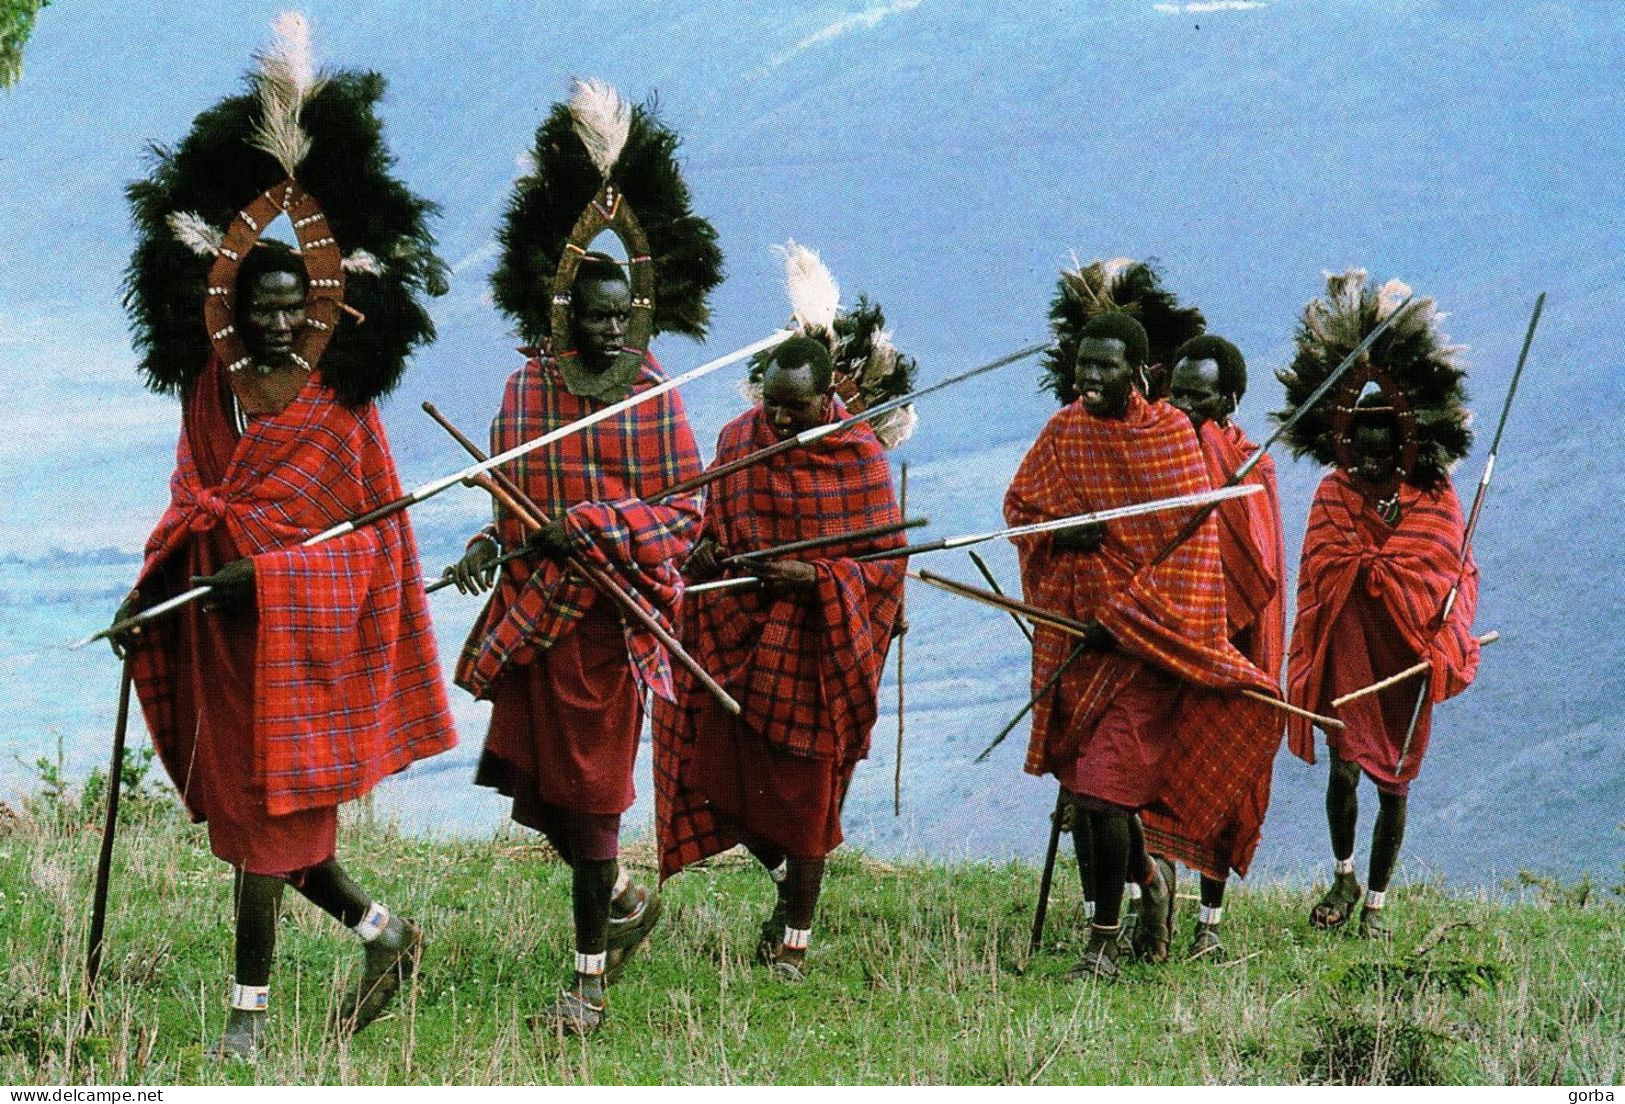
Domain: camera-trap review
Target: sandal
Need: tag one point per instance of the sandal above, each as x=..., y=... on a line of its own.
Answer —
x=1205, y=942
x=572, y=1015
x=628, y=933
x=1371, y=925
x=1099, y=961
x=1335, y=909
x=1156, y=929
x=382, y=977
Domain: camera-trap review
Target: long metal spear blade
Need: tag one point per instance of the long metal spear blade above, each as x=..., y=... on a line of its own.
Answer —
x=1116, y=513
x=435, y=486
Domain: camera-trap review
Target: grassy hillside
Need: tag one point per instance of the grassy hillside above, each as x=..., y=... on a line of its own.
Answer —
x=920, y=975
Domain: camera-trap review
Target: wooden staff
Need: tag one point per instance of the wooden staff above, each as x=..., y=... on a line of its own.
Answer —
x=1047, y=879
x=1073, y=627
x=104, y=860
x=897, y=770
x=533, y=518
x=435, y=486
x=1399, y=677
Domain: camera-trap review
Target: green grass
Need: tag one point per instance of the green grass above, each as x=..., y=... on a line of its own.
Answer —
x=919, y=974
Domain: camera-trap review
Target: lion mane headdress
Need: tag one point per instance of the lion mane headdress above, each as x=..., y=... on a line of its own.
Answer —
x=1118, y=285
x=868, y=368
x=599, y=163
x=309, y=146
x=1412, y=366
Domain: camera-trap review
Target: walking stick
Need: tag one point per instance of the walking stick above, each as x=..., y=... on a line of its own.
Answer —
x=104, y=860
x=532, y=517
x=897, y=770
x=1472, y=524
x=1048, y=878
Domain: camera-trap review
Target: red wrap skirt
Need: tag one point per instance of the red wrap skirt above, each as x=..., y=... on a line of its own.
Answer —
x=790, y=801
x=564, y=729
x=1122, y=761
x=1365, y=647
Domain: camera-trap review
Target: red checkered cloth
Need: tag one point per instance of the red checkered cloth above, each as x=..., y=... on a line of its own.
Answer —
x=347, y=687
x=1253, y=558
x=1350, y=552
x=1171, y=616
x=806, y=669
x=600, y=480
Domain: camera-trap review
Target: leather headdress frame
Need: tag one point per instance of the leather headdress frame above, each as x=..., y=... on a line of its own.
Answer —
x=324, y=296
x=1346, y=411
x=608, y=210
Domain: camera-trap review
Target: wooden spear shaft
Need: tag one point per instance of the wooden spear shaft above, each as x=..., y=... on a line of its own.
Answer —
x=1081, y=629
x=1398, y=677
x=104, y=860
x=533, y=518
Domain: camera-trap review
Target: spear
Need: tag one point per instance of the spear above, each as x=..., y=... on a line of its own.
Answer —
x=533, y=518
x=902, y=595
x=747, y=558
x=993, y=585
x=1084, y=629
x=1074, y=521
x=1236, y=477
x=104, y=860
x=1472, y=524
x=817, y=433
x=436, y=486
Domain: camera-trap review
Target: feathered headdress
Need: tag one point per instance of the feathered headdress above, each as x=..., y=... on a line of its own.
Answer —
x=1101, y=287
x=309, y=147
x=1413, y=364
x=868, y=368
x=599, y=163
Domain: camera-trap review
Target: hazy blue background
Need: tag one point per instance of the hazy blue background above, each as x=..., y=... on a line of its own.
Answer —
x=947, y=159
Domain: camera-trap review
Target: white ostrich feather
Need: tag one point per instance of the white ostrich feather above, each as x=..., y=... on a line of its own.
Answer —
x=895, y=426
x=602, y=121
x=362, y=261
x=286, y=80
x=815, y=297
x=193, y=232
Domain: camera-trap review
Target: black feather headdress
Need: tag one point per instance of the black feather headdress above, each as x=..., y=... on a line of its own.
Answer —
x=867, y=367
x=589, y=147
x=322, y=130
x=1132, y=287
x=1413, y=363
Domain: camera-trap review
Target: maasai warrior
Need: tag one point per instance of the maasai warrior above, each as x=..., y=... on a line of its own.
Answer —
x=1208, y=381
x=312, y=672
x=1121, y=285
x=564, y=672
x=1137, y=718
x=1382, y=550
x=803, y=654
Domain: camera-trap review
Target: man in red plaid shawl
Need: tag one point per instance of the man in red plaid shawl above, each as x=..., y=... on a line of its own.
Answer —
x=1379, y=557
x=312, y=674
x=1208, y=381
x=1134, y=723
x=803, y=654
x=564, y=673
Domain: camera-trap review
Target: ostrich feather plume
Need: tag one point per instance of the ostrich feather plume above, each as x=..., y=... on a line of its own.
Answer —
x=194, y=232
x=815, y=297
x=602, y=121
x=362, y=261
x=287, y=78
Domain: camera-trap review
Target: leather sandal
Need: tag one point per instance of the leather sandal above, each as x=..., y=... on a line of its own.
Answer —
x=628, y=933
x=1337, y=906
x=384, y=974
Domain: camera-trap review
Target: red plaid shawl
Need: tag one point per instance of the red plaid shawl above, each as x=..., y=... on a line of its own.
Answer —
x=1409, y=568
x=1172, y=616
x=599, y=479
x=347, y=687
x=1254, y=562
x=806, y=669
